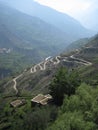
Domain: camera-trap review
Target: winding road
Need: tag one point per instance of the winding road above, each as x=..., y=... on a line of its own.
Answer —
x=34, y=69
x=42, y=65
x=57, y=60
x=84, y=62
x=15, y=83
x=81, y=61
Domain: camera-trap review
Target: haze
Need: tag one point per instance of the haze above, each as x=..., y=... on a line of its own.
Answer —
x=83, y=10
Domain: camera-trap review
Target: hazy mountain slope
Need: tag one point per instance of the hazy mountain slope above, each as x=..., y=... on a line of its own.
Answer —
x=93, y=41
x=30, y=30
x=29, y=37
x=90, y=50
x=77, y=44
x=64, y=22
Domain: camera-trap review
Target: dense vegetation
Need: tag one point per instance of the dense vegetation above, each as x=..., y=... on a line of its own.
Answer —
x=79, y=111
x=65, y=82
x=74, y=107
x=25, y=117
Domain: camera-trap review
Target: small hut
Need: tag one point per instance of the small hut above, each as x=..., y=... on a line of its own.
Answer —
x=18, y=103
x=41, y=99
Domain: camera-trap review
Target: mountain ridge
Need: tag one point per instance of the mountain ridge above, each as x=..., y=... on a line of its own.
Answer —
x=60, y=20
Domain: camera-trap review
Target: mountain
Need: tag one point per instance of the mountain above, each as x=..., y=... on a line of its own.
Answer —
x=77, y=44
x=89, y=52
x=37, y=78
x=73, y=29
x=30, y=38
x=83, y=43
x=31, y=31
x=33, y=37
x=27, y=40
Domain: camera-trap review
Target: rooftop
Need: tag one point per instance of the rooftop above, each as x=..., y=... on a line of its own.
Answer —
x=17, y=103
x=42, y=99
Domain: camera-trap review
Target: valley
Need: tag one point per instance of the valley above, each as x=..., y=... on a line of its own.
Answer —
x=48, y=67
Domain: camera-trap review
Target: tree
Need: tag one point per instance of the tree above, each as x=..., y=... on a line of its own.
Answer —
x=39, y=118
x=65, y=82
x=79, y=111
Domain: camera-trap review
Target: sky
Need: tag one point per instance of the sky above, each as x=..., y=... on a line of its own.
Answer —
x=85, y=11
x=75, y=8
x=72, y=7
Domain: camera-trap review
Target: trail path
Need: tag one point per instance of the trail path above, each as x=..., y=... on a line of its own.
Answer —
x=15, y=83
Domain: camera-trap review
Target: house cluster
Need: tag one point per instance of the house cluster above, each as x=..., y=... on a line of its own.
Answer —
x=5, y=50
x=39, y=100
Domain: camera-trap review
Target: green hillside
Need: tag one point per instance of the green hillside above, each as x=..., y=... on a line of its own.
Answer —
x=85, y=62
x=77, y=44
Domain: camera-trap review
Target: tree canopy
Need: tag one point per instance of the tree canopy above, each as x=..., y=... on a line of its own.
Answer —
x=64, y=82
x=79, y=111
